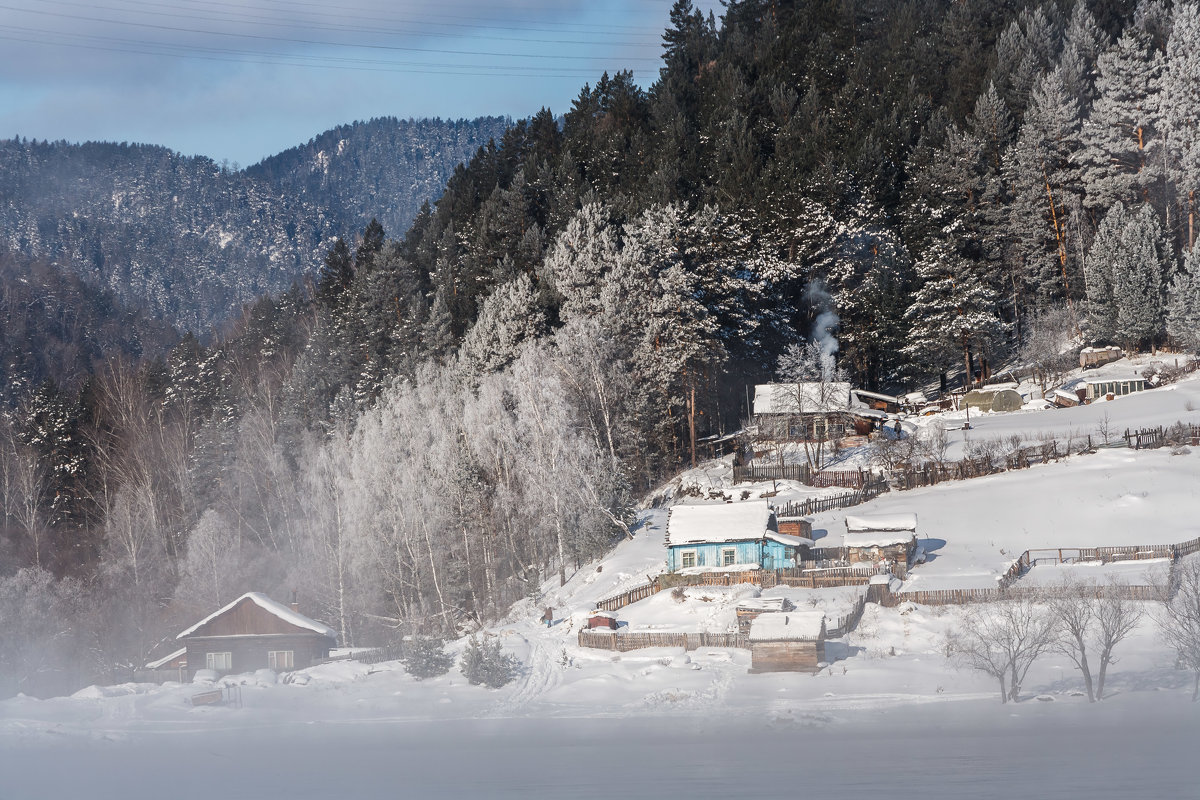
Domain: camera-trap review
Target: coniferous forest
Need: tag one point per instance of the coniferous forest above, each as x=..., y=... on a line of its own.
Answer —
x=443, y=417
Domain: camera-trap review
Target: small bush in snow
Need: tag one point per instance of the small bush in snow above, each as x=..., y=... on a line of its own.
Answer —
x=484, y=662
x=679, y=594
x=426, y=658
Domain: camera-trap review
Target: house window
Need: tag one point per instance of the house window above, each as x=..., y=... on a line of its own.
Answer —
x=687, y=559
x=281, y=659
x=221, y=662
x=728, y=556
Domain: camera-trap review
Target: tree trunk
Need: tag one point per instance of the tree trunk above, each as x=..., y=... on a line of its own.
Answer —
x=1003, y=691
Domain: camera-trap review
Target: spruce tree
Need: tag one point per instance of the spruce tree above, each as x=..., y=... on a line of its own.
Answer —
x=1183, y=310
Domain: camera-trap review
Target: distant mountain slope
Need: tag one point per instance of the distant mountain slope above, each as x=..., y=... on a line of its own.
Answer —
x=176, y=236
x=189, y=241
x=53, y=326
x=384, y=168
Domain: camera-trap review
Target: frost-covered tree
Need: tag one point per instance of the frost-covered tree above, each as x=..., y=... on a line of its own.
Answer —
x=1040, y=176
x=1183, y=309
x=1179, y=619
x=1118, y=140
x=510, y=316
x=955, y=313
x=1003, y=639
x=1181, y=106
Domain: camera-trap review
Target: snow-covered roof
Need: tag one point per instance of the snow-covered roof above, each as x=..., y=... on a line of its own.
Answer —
x=877, y=538
x=887, y=398
x=789, y=626
x=916, y=398
x=271, y=607
x=889, y=522
x=763, y=604
x=167, y=658
x=789, y=540
x=795, y=398
x=718, y=522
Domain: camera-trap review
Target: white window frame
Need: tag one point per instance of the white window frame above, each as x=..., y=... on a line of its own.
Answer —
x=274, y=657
x=684, y=556
x=728, y=556
x=219, y=662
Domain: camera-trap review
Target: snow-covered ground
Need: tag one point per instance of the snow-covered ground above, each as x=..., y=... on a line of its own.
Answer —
x=889, y=713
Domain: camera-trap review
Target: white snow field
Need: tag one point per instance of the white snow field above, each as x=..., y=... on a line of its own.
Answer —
x=889, y=714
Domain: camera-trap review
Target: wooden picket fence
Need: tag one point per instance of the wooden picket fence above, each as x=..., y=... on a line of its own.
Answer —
x=872, y=488
x=1009, y=584
x=849, y=622
x=623, y=642
x=627, y=598
x=803, y=473
x=393, y=651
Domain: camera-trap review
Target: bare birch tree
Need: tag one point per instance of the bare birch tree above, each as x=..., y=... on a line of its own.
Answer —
x=1179, y=621
x=1004, y=639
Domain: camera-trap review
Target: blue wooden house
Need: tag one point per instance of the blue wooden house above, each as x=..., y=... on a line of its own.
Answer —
x=729, y=537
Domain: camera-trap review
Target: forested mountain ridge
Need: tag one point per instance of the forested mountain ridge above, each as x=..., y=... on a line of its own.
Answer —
x=385, y=168
x=189, y=240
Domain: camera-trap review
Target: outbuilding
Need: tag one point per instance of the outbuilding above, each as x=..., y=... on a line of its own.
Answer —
x=792, y=641
x=255, y=632
x=890, y=538
x=605, y=620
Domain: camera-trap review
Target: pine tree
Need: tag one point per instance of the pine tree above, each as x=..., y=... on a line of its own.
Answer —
x=1138, y=280
x=955, y=313
x=1181, y=107
x=510, y=317
x=1098, y=274
x=1183, y=311
x=1118, y=140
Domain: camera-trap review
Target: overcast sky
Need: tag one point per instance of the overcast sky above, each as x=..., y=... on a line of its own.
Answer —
x=239, y=80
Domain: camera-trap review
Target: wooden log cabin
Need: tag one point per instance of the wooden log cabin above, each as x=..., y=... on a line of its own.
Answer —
x=787, y=642
x=255, y=632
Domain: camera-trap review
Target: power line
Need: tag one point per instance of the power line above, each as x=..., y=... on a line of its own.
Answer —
x=310, y=42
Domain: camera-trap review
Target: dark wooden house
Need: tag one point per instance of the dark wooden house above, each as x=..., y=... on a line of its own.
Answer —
x=804, y=412
x=255, y=632
x=791, y=641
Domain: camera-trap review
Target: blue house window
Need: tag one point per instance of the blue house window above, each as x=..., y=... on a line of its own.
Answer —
x=687, y=559
x=728, y=556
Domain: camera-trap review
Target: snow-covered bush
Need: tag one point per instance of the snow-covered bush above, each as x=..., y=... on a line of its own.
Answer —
x=484, y=662
x=426, y=658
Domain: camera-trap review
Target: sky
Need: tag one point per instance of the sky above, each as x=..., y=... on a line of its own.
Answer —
x=238, y=80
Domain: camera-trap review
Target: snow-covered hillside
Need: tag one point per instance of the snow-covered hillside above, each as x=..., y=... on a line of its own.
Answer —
x=890, y=710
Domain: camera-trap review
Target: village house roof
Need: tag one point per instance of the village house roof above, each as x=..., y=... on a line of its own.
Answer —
x=271, y=607
x=891, y=522
x=180, y=653
x=705, y=523
x=863, y=394
x=801, y=398
x=877, y=538
x=789, y=626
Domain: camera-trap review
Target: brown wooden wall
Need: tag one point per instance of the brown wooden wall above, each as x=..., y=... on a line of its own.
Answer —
x=250, y=652
x=786, y=656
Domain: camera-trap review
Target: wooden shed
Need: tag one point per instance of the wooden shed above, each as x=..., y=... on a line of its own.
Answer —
x=890, y=538
x=749, y=610
x=787, y=642
x=255, y=632
x=602, y=619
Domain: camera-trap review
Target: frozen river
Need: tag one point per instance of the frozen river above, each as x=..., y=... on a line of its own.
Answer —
x=948, y=750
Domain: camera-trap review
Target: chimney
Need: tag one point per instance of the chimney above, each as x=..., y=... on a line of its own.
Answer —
x=295, y=604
